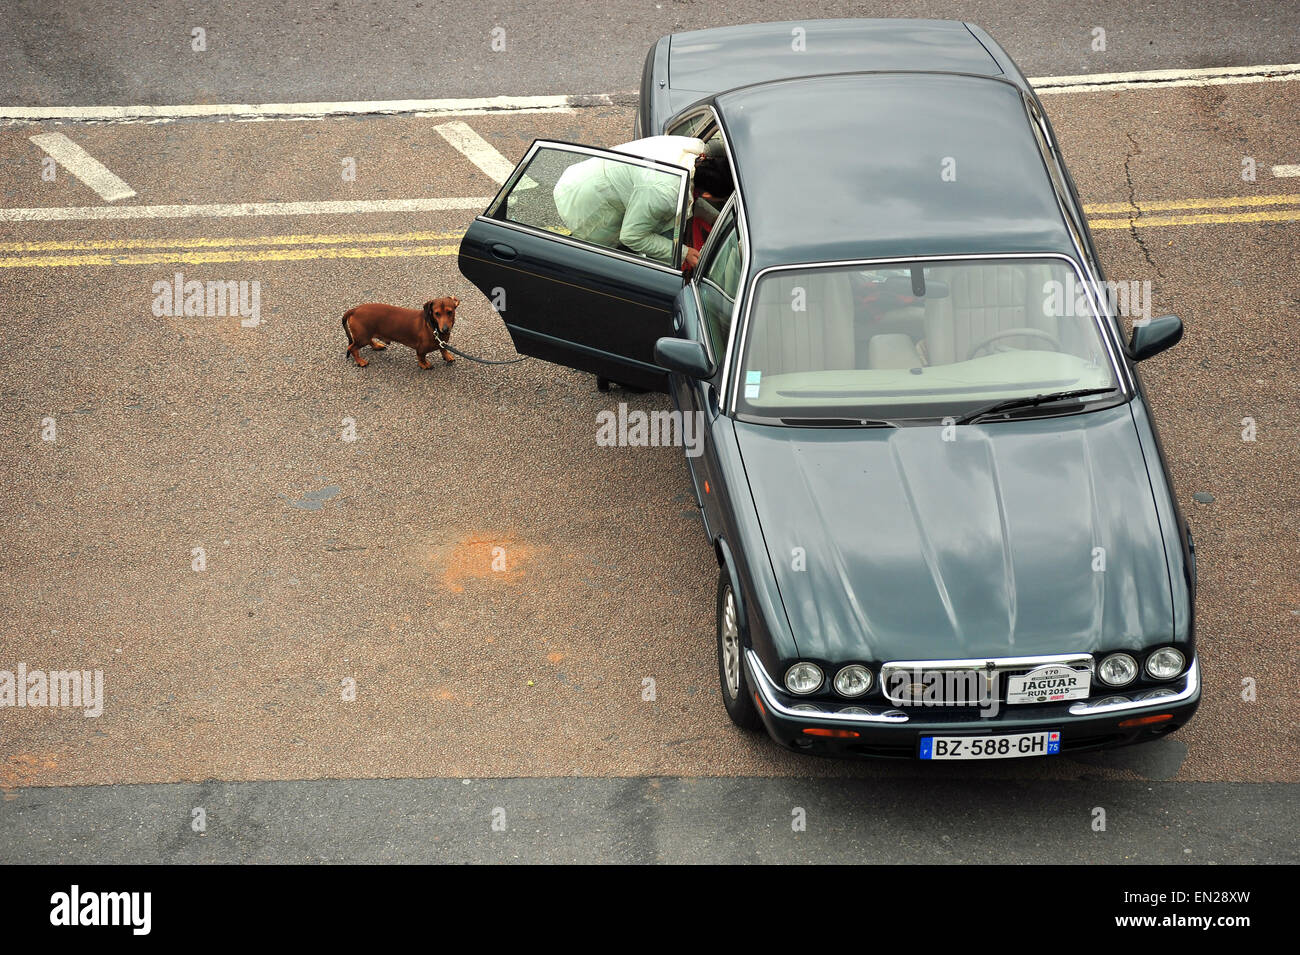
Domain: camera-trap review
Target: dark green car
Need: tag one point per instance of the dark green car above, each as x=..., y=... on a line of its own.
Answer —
x=926, y=462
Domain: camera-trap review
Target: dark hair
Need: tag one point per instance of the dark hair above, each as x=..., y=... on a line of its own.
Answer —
x=713, y=175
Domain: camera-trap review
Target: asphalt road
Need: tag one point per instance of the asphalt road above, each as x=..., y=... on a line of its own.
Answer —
x=56, y=52
x=651, y=820
x=372, y=560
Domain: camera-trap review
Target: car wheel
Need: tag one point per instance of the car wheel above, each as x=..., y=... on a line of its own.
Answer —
x=736, y=695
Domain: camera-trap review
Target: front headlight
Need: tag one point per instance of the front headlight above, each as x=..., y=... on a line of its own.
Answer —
x=853, y=680
x=803, y=678
x=1118, y=669
x=1165, y=664
x=1158, y=694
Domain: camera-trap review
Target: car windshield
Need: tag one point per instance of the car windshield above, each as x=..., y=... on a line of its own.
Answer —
x=917, y=340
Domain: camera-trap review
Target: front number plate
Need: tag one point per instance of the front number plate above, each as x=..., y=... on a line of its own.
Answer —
x=1010, y=746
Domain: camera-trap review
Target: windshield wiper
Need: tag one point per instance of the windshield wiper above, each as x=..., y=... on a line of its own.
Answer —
x=1011, y=404
x=838, y=423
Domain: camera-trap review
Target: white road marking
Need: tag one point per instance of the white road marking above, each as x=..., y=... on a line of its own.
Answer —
x=301, y=111
x=84, y=166
x=477, y=150
x=1286, y=172
x=229, y=209
x=1085, y=83
x=1155, y=79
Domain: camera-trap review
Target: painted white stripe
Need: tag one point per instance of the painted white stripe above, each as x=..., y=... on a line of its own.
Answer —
x=1149, y=79
x=1285, y=172
x=255, y=111
x=84, y=166
x=1083, y=83
x=1144, y=76
x=230, y=209
x=1175, y=74
x=477, y=150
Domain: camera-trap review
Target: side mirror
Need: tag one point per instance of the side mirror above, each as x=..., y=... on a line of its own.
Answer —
x=683, y=356
x=1155, y=336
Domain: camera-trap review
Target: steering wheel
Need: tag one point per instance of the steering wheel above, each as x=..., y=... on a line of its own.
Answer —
x=1013, y=333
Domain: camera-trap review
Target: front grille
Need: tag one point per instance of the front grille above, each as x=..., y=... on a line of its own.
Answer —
x=964, y=682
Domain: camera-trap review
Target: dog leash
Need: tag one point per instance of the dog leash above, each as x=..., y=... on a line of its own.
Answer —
x=481, y=361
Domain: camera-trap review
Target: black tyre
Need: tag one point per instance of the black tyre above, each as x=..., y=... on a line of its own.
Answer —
x=736, y=694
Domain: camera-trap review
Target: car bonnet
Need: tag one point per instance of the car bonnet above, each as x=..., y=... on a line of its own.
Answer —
x=1027, y=536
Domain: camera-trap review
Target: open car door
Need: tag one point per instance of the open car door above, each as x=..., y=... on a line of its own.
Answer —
x=579, y=256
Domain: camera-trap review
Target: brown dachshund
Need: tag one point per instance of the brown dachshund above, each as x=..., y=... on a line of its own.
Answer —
x=375, y=325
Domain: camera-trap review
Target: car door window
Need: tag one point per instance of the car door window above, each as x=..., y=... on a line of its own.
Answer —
x=692, y=125
x=701, y=126
x=719, y=279
x=625, y=204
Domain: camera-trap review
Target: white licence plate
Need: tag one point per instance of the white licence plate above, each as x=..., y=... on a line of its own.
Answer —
x=1049, y=684
x=1009, y=746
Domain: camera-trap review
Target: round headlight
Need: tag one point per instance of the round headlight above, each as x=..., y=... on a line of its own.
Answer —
x=803, y=678
x=854, y=711
x=853, y=680
x=1118, y=669
x=1165, y=664
x=806, y=708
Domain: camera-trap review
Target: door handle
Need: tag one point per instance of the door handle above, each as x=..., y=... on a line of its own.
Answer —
x=502, y=251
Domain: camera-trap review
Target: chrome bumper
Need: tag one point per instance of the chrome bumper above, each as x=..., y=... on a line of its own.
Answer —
x=1191, y=681
x=767, y=691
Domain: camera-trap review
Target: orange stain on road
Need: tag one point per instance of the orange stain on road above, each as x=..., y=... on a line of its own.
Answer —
x=479, y=557
x=23, y=770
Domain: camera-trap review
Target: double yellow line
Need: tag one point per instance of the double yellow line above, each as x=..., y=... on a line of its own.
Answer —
x=199, y=250
x=1147, y=214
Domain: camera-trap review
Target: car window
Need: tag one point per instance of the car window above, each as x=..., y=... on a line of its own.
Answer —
x=692, y=125
x=627, y=205
x=717, y=283
x=924, y=339
x=700, y=126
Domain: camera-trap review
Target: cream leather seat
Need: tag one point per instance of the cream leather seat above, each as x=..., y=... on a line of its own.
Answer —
x=983, y=300
x=817, y=339
x=892, y=351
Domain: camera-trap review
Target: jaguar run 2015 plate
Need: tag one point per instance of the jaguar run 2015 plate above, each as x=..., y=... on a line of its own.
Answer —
x=1049, y=684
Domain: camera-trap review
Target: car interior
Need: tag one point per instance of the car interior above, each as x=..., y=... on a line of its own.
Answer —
x=701, y=126
x=964, y=330
x=527, y=204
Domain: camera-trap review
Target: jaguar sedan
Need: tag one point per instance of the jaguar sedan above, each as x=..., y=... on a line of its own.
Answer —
x=928, y=469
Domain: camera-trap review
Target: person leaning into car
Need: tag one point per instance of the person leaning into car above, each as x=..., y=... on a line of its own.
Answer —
x=621, y=205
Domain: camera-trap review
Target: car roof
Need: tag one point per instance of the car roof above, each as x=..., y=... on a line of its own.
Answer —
x=707, y=61
x=833, y=168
